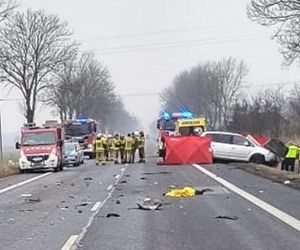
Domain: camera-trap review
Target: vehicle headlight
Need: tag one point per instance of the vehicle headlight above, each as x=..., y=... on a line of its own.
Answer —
x=53, y=157
x=23, y=158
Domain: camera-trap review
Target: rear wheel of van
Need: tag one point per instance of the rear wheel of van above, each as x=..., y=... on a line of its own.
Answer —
x=258, y=159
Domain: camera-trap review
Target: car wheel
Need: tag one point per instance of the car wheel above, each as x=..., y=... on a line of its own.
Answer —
x=258, y=159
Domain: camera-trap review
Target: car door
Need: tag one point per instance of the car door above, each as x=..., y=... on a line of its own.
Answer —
x=221, y=145
x=241, y=148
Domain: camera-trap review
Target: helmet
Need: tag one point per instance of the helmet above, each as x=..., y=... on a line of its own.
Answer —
x=197, y=131
x=99, y=135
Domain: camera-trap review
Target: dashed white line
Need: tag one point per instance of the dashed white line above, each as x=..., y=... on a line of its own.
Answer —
x=96, y=206
x=284, y=217
x=24, y=182
x=70, y=242
x=109, y=187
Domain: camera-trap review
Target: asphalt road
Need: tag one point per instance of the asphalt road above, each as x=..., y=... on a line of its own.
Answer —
x=69, y=210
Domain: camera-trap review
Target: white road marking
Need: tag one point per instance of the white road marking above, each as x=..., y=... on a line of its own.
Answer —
x=284, y=217
x=69, y=243
x=109, y=187
x=91, y=219
x=96, y=206
x=24, y=182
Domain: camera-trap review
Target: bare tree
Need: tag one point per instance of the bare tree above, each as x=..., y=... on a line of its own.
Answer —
x=84, y=87
x=285, y=16
x=6, y=8
x=33, y=46
x=230, y=74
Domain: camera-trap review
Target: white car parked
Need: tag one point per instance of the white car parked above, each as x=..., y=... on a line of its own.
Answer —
x=231, y=146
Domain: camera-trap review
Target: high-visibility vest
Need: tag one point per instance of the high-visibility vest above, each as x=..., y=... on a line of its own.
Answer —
x=292, y=152
x=99, y=145
x=128, y=143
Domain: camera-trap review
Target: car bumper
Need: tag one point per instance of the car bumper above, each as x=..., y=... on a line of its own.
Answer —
x=31, y=166
x=70, y=160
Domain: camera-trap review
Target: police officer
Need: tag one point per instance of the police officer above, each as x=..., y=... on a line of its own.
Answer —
x=99, y=149
x=290, y=157
x=141, y=146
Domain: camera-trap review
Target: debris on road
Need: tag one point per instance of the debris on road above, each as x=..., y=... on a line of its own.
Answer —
x=143, y=178
x=88, y=178
x=186, y=192
x=118, y=202
x=26, y=210
x=112, y=215
x=32, y=200
x=148, y=204
x=226, y=217
x=26, y=195
x=123, y=181
x=82, y=204
x=286, y=182
x=261, y=191
x=117, y=176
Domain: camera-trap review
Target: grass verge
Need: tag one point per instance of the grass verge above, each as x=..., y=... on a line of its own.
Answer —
x=274, y=174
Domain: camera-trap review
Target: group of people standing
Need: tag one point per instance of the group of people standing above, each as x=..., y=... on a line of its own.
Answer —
x=120, y=148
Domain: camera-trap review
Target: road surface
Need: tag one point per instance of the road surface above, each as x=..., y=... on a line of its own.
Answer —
x=69, y=209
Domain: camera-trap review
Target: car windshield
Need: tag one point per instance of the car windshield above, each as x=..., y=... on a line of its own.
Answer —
x=69, y=146
x=42, y=138
x=77, y=129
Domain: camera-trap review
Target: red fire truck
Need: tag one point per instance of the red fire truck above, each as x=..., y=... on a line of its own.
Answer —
x=83, y=130
x=41, y=147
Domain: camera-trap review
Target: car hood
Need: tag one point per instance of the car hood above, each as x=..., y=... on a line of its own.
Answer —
x=30, y=150
x=277, y=147
x=69, y=152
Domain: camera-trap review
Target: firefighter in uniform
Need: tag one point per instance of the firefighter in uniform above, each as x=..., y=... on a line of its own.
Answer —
x=141, y=146
x=128, y=148
x=122, y=148
x=99, y=149
x=116, y=147
x=135, y=146
x=106, y=148
x=110, y=148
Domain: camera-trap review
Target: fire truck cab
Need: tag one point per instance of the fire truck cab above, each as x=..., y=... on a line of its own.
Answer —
x=84, y=131
x=41, y=147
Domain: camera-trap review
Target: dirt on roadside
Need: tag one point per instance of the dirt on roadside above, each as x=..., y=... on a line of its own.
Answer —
x=8, y=170
x=286, y=178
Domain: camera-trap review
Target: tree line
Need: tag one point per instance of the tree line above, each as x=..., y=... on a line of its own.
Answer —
x=217, y=91
x=39, y=58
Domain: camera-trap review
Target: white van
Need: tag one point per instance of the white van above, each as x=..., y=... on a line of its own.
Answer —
x=231, y=146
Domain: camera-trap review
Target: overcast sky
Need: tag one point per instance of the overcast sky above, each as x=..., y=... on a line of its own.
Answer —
x=145, y=44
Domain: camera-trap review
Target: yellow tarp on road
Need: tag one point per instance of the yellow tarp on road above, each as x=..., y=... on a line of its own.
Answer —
x=184, y=192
